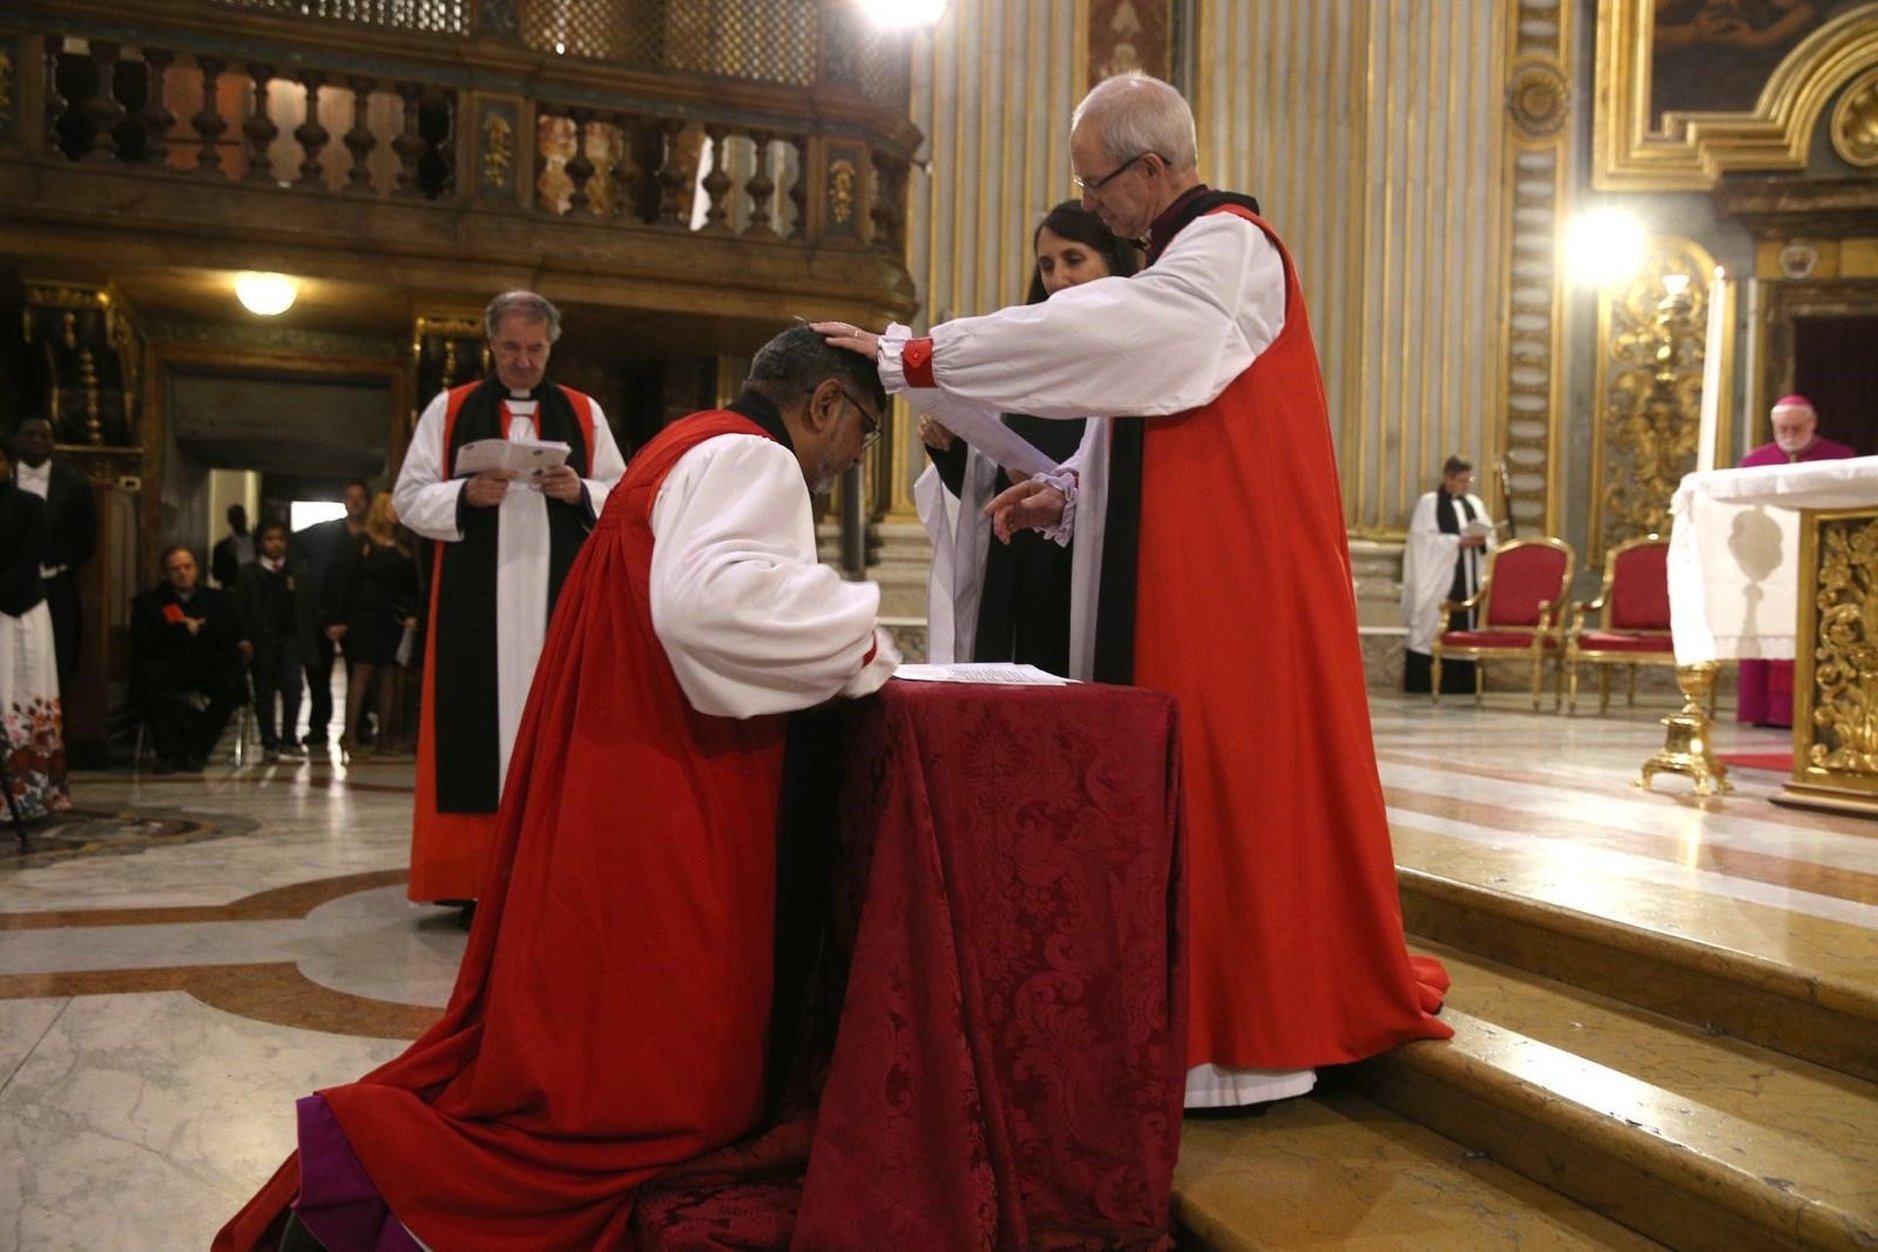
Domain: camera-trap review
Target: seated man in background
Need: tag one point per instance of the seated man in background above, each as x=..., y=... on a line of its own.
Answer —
x=188, y=644
x=609, y=1019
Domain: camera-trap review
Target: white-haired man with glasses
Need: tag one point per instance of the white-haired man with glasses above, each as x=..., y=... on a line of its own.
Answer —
x=1225, y=580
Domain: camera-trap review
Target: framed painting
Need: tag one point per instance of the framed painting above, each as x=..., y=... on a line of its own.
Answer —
x=1688, y=89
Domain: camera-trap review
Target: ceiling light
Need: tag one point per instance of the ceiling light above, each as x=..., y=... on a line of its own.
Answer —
x=266, y=295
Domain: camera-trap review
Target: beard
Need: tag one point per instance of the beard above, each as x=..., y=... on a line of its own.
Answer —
x=826, y=475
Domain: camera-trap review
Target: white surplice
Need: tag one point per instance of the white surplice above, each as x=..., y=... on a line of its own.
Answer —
x=1428, y=567
x=427, y=503
x=751, y=620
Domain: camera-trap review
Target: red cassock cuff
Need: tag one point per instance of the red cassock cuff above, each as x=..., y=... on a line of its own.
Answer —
x=873, y=649
x=916, y=362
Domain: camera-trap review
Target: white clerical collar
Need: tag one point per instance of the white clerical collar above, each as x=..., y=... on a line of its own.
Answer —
x=273, y=565
x=36, y=480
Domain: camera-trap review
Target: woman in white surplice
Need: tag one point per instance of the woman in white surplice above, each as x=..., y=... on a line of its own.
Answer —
x=1448, y=535
x=998, y=602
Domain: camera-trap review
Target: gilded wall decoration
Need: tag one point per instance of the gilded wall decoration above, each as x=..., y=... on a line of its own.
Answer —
x=1844, y=729
x=1695, y=88
x=841, y=192
x=1650, y=391
x=1538, y=100
x=495, y=147
x=1855, y=122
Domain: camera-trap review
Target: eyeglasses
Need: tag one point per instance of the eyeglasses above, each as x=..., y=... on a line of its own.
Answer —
x=870, y=424
x=1097, y=184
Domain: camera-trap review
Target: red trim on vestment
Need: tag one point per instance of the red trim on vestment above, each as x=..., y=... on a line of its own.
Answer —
x=916, y=362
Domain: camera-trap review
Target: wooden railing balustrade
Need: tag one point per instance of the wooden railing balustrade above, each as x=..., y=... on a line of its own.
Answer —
x=331, y=130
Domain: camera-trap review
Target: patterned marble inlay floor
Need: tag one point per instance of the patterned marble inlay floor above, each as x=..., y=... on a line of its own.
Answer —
x=161, y=1010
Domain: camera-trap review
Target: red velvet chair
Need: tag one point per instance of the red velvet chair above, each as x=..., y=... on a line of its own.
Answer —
x=1632, y=626
x=1519, y=613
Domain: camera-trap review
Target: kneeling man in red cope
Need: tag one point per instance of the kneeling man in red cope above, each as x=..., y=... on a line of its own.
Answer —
x=609, y=1018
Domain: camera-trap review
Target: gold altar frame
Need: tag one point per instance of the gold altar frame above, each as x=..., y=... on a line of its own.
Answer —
x=1692, y=150
x=1851, y=783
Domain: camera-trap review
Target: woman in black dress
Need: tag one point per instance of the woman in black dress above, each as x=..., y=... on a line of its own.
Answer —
x=1023, y=611
x=370, y=601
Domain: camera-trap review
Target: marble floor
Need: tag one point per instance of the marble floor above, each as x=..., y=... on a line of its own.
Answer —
x=163, y=1000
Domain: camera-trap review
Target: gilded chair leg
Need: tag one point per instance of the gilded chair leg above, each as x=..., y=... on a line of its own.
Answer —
x=1604, y=690
x=1538, y=678
x=1434, y=676
x=1571, y=687
x=1633, y=687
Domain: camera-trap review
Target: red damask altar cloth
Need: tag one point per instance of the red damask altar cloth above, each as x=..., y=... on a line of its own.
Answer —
x=1011, y=1060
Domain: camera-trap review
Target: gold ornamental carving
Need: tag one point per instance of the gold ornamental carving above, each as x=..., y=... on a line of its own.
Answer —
x=1650, y=391
x=1538, y=100
x=1845, y=661
x=841, y=176
x=498, y=150
x=1855, y=122
x=1647, y=138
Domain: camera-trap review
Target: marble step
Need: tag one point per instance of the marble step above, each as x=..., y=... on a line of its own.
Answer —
x=1697, y=1140
x=1820, y=1015
x=1335, y=1170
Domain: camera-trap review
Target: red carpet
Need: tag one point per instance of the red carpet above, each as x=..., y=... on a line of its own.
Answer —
x=1779, y=762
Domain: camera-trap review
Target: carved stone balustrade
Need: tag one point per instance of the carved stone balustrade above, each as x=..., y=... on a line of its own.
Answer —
x=738, y=166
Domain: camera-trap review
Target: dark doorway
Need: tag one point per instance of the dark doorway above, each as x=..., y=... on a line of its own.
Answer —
x=1835, y=366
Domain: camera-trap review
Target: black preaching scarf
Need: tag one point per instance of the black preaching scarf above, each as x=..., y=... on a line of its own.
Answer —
x=465, y=718
x=1121, y=524
x=1449, y=524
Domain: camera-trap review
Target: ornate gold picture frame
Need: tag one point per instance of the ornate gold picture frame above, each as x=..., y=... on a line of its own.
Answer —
x=1650, y=136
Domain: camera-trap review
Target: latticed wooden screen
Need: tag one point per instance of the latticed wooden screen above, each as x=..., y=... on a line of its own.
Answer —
x=444, y=17
x=772, y=41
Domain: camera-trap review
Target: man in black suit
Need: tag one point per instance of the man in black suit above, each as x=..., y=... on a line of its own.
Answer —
x=188, y=645
x=71, y=532
x=233, y=552
x=319, y=544
x=276, y=601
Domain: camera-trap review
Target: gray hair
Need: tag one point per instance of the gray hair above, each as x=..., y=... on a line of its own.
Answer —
x=797, y=361
x=1135, y=114
x=524, y=304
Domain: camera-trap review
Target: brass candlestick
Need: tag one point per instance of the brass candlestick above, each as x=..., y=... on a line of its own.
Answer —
x=1686, y=747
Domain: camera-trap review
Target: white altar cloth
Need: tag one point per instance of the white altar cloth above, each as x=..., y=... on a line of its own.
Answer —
x=1734, y=553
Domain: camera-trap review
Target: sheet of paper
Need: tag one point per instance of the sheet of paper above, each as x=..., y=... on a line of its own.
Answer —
x=525, y=456
x=1004, y=673
x=1006, y=448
